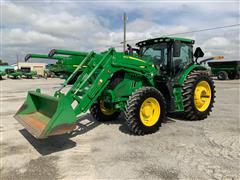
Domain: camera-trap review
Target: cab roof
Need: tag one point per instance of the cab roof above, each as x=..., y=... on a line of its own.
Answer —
x=164, y=39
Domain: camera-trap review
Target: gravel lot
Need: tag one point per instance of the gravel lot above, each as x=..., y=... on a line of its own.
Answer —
x=181, y=149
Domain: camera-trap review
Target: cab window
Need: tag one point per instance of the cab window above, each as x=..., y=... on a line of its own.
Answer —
x=155, y=53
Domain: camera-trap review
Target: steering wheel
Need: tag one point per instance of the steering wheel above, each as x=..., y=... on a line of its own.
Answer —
x=178, y=64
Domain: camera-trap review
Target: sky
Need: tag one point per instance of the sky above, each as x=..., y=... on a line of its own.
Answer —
x=39, y=26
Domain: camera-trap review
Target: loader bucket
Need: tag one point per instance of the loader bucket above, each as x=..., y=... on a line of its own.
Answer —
x=44, y=115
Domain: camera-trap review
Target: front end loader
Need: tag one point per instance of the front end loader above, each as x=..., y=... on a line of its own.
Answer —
x=164, y=78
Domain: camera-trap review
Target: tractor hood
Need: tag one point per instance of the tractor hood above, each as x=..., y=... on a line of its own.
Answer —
x=134, y=63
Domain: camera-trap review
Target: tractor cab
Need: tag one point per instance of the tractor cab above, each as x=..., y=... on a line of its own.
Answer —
x=170, y=55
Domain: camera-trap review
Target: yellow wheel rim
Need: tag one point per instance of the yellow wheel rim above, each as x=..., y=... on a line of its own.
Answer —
x=150, y=111
x=106, y=111
x=202, y=96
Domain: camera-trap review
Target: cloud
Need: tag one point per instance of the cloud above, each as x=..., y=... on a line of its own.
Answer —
x=221, y=46
x=66, y=25
x=17, y=15
x=217, y=42
x=38, y=26
x=18, y=37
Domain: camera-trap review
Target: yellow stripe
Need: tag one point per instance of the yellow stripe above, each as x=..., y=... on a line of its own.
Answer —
x=130, y=57
x=76, y=65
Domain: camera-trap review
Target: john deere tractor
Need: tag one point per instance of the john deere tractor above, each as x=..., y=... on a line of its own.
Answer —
x=165, y=78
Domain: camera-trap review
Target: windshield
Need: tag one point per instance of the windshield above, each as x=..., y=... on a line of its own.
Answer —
x=155, y=53
x=158, y=54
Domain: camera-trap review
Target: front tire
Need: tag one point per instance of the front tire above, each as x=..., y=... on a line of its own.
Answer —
x=198, y=95
x=145, y=110
x=102, y=113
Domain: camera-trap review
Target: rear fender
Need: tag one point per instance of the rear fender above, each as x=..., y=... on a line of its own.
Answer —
x=189, y=70
x=177, y=90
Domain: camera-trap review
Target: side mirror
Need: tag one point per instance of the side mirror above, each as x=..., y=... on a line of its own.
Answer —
x=198, y=53
x=137, y=51
x=176, y=50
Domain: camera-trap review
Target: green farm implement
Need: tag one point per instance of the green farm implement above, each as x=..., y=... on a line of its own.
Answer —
x=27, y=73
x=14, y=74
x=225, y=69
x=165, y=78
x=65, y=65
x=2, y=73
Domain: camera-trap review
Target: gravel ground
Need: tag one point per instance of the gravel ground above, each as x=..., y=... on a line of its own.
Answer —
x=181, y=149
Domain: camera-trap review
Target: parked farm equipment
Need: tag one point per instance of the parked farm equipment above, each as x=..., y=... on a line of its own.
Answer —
x=14, y=74
x=165, y=78
x=65, y=65
x=2, y=73
x=27, y=73
x=225, y=69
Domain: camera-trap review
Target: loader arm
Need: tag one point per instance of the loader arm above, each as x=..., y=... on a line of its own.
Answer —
x=99, y=68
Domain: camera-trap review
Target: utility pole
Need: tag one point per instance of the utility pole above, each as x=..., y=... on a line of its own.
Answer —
x=124, y=31
x=17, y=61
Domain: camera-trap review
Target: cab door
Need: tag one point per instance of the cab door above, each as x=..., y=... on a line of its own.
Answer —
x=182, y=57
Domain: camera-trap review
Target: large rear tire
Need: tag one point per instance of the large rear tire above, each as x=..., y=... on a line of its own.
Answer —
x=101, y=113
x=145, y=110
x=198, y=95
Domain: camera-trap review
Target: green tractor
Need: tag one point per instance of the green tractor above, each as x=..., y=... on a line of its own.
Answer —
x=27, y=73
x=13, y=74
x=164, y=79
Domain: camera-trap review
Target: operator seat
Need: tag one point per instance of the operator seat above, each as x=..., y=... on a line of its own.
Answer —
x=177, y=65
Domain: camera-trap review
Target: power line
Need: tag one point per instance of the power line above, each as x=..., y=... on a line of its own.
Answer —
x=186, y=32
x=194, y=31
x=208, y=29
